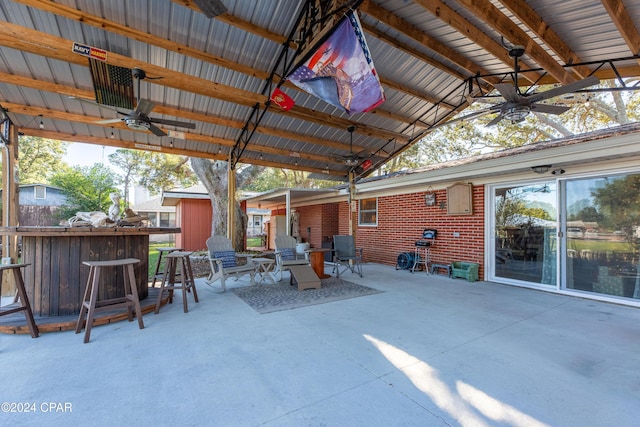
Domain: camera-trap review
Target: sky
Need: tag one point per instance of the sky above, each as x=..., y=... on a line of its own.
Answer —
x=88, y=154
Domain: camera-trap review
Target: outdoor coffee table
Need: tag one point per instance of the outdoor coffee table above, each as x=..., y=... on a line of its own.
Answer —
x=264, y=267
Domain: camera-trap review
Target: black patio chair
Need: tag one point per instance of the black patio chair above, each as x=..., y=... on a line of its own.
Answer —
x=345, y=253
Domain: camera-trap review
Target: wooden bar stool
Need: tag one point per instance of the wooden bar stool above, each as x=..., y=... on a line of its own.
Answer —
x=91, y=305
x=185, y=275
x=158, y=275
x=21, y=296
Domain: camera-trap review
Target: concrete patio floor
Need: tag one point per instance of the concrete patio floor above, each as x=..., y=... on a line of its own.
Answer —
x=428, y=351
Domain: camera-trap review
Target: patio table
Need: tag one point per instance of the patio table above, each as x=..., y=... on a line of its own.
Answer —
x=316, y=257
x=264, y=267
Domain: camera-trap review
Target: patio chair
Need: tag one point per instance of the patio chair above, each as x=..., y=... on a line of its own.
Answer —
x=223, y=262
x=345, y=253
x=286, y=255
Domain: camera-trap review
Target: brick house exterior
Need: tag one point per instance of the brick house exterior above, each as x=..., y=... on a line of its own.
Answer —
x=549, y=262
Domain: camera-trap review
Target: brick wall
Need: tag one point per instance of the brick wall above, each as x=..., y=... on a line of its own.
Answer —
x=402, y=218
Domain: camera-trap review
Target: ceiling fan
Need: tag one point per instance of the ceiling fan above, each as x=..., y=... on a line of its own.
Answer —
x=518, y=105
x=352, y=159
x=138, y=119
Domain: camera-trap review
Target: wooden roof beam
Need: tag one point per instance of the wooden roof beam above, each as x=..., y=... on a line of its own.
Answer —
x=626, y=27
x=126, y=31
x=131, y=145
x=404, y=27
x=50, y=46
x=491, y=15
x=188, y=115
x=80, y=118
x=534, y=22
x=457, y=21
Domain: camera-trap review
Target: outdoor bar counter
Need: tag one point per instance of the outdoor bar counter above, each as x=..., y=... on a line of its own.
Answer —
x=55, y=278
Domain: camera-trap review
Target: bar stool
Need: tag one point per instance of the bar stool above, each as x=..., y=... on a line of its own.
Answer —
x=158, y=275
x=22, y=296
x=91, y=305
x=185, y=274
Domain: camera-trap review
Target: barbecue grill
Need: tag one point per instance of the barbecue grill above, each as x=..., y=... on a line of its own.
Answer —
x=423, y=249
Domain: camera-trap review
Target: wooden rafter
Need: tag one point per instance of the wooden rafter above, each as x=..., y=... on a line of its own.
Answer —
x=457, y=21
x=536, y=24
x=505, y=26
x=28, y=40
x=625, y=25
x=160, y=109
x=144, y=37
x=87, y=139
x=423, y=38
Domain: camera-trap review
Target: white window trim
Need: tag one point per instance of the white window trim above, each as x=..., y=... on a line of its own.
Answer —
x=360, y=224
x=35, y=192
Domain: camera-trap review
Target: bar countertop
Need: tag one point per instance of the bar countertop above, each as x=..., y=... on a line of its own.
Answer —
x=85, y=231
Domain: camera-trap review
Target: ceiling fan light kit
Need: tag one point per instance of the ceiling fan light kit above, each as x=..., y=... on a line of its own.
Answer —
x=517, y=114
x=518, y=105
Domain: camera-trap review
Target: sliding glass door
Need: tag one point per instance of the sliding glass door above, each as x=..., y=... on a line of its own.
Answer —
x=598, y=251
x=525, y=234
x=602, y=235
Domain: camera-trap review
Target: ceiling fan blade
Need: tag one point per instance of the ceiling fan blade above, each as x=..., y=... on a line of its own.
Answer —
x=549, y=109
x=144, y=107
x=106, y=122
x=495, y=120
x=561, y=90
x=97, y=104
x=173, y=123
x=469, y=116
x=508, y=92
x=156, y=130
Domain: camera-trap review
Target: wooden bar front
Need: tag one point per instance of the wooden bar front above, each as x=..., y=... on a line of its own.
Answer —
x=56, y=278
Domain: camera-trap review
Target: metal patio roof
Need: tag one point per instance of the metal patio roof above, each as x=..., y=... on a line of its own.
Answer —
x=213, y=72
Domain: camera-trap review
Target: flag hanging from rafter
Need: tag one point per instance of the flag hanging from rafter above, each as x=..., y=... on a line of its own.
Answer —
x=339, y=69
x=281, y=99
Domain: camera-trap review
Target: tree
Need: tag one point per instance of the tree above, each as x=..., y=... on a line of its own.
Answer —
x=131, y=162
x=271, y=178
x=213, y=175
x=39, y=158
x=590, y=111
x=87, y=188
x=161, y=172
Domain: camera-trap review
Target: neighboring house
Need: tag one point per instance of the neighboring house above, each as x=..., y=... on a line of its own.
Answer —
x=159, y=216
x=193, y=215
x=512, y=212
x=39, y=204
x=257, y=219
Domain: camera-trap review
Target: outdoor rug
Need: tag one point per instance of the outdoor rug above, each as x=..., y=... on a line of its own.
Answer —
x=283, y=296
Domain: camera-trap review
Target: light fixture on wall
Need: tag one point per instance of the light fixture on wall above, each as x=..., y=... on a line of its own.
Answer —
x=541, y=168
x=558, y=171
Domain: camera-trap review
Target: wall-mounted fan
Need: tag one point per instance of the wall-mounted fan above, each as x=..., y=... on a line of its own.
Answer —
x=518, y=105
x=138, y=119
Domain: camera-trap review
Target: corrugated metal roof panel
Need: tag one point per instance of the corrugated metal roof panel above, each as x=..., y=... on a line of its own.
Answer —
x=583, y=24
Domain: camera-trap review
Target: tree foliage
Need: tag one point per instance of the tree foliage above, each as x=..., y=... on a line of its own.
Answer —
x=87, y=188
x=271, y=178
x=619, y=213
x=590, y=111
x=162, y=172
x=130, y=162
x=39, y=158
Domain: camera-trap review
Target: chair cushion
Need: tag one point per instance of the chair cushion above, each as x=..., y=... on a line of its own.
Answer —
x=228, y=258
x=288, y=254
